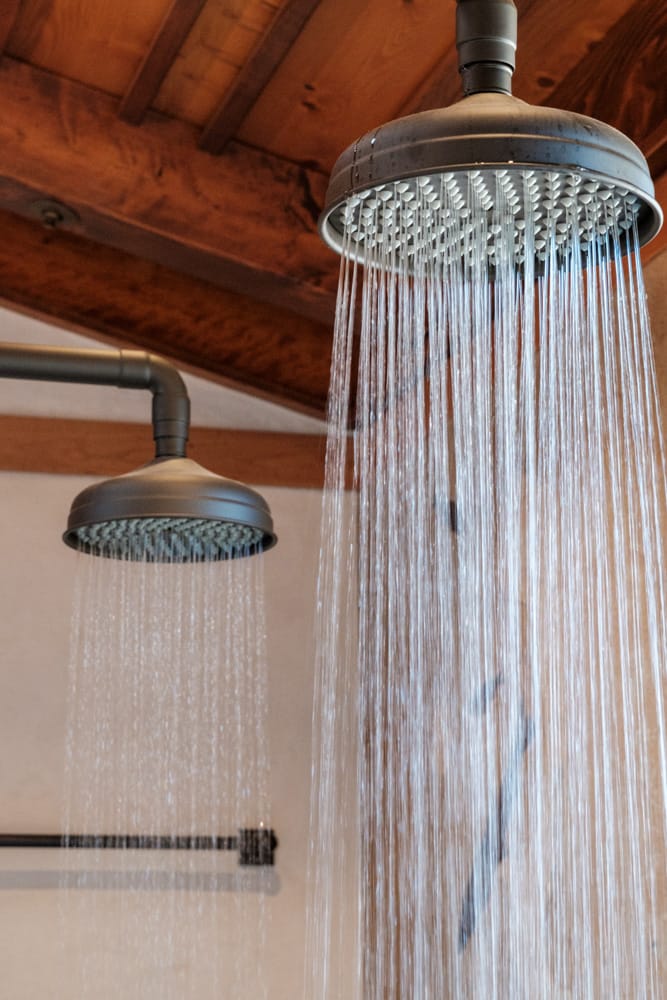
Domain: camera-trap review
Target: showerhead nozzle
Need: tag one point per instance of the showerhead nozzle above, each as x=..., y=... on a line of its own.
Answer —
x=572, y=176
x=172, y=510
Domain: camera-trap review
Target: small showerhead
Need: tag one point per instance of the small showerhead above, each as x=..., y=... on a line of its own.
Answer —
x=171, y=510
x=571, y=176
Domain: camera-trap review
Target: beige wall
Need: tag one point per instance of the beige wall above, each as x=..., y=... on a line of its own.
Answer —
x=36, y=600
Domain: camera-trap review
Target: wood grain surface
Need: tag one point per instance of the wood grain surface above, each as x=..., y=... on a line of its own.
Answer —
x=159, y=59
x=352, y=68
x=221, y=41
x=9, y=10
x=245, y=220
x=613, y=84
x=97, y=44
x=256, y=72
x=104, y=448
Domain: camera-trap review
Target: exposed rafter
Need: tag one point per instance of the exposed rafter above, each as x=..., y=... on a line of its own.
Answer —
x=256, y=73
x=157, y=62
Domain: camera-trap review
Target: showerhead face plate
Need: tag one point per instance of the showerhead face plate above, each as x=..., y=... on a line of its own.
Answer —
x=515, y=212
x=168, y=539
x=170, y=511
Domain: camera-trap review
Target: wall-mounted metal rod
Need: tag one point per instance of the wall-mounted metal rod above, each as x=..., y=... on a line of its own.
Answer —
x=121, y=368
x=256, y=846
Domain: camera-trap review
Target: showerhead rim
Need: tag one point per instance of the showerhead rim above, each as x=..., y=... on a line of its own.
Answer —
x=490, y=132
x=170, y=489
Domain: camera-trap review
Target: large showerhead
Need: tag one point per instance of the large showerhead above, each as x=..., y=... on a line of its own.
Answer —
x=570, y=176
x=171, y=510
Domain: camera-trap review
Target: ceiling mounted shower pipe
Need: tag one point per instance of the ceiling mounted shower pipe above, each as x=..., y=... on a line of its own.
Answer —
x=121, y=368
x=170, y=510
x=486, y=41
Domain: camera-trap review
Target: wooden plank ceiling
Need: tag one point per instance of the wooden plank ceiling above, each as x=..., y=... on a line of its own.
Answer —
x=163, y=163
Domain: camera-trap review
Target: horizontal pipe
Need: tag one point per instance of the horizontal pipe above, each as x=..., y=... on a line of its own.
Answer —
x=114, y=367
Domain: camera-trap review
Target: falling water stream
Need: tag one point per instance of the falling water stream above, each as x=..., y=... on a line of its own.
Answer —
x=166, y=738
x=489, y=807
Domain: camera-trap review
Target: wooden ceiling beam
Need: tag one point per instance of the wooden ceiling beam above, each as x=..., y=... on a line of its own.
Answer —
x=173, y=31
x=270, y=352
x=255, y=74
x=245, y=221
x=62, y=446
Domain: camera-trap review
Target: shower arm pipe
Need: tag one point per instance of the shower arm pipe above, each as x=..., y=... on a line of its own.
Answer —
x=124, y=369
x=486, y=33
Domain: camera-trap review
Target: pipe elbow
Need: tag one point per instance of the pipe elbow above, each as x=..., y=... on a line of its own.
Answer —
x=171, y=403
x=171, y=408
x=164, y=377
